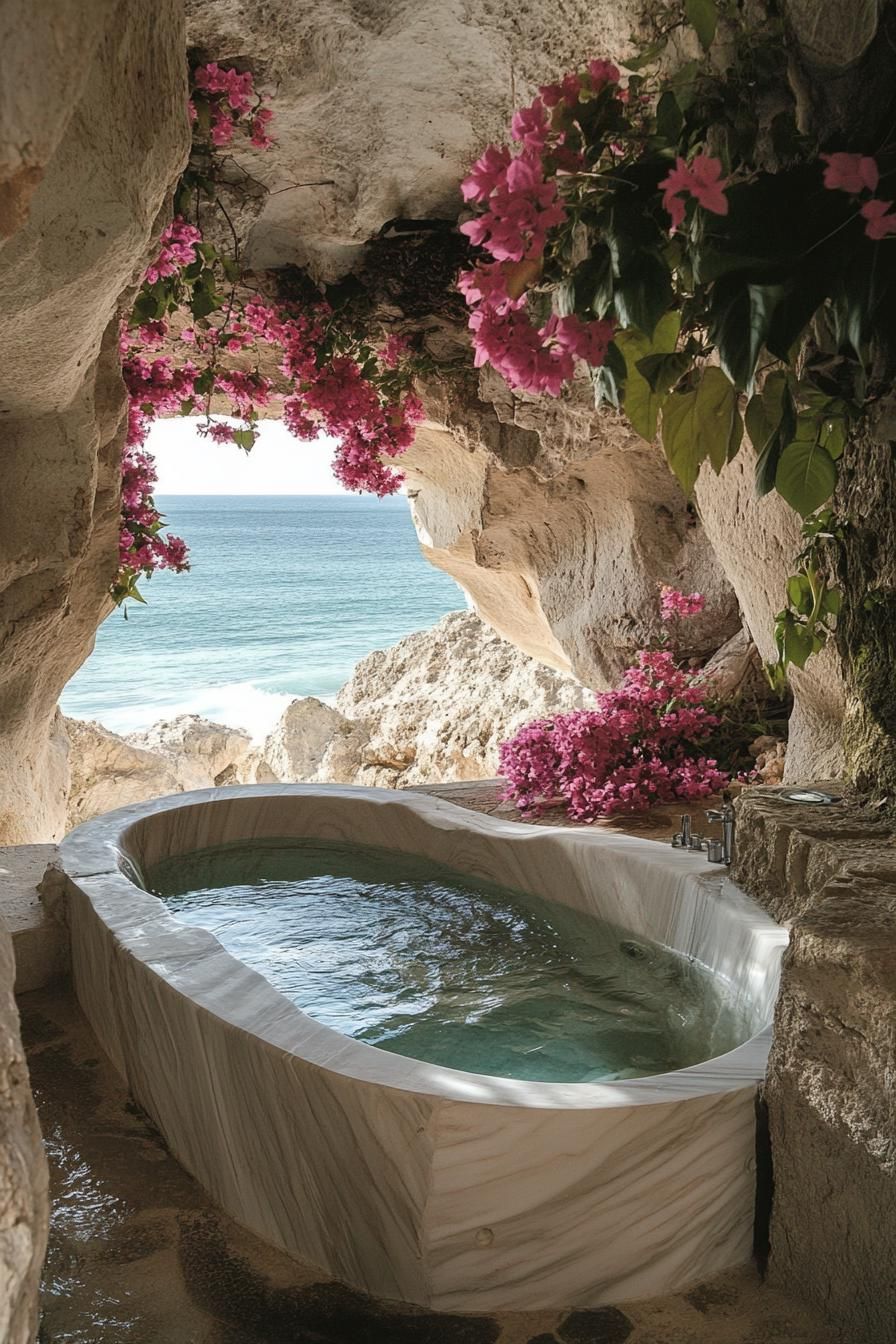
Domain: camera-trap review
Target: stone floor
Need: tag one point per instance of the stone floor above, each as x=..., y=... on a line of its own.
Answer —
x=139, y=1255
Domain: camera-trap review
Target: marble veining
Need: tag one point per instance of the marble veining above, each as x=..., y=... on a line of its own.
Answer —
x=409, y=1180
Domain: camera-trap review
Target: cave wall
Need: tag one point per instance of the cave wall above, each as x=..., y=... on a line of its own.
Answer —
x=830, y=872
x=93, y=136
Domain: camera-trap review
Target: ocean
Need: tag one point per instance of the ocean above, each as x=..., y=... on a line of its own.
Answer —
x=285, y=594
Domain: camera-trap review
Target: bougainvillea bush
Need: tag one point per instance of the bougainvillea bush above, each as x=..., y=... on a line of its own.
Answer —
x=645, y=743
x=327, y=375
x=710, y=271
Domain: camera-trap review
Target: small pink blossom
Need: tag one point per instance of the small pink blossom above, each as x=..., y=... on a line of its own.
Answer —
x=674, y=604
x=878, y=222
x=531, y=125
x=603, y=72
x=702, y=179
x=395, y=347
x=850, y=172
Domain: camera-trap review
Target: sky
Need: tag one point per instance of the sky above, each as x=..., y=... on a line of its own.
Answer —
x=188, y=464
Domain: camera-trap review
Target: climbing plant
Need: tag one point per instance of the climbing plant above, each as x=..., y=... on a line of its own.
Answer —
x=716, y=272
x=205, y=333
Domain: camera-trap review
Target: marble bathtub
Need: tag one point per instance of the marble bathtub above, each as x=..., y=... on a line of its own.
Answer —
x=411, y=1181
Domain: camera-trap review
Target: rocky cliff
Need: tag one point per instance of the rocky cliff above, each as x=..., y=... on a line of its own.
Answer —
x=433, y=707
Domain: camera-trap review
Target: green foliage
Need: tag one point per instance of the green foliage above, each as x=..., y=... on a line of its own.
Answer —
x=764, y=320
x=813, y=604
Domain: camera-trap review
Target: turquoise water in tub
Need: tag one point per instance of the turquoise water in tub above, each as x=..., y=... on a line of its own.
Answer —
x=409, y=956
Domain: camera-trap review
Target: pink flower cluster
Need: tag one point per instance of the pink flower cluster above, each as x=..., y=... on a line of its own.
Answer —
x=178, y=244
x=142, y=546
x=334, y=396
x=674, y=604
x=856, y=173
x=535, y=359
x=643, y=744
x=520, y=199
x=233, y=104
x=702, y=179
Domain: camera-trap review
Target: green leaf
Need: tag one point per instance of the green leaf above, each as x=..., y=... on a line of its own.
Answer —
x=720, y=422
x=703, y=16
x=645, y=57
x=609, y=379
x=592, y=283
x=703, y=423
x=806, y=476
x=669, y=120
x=833, y=601
x=643, y=292
x=799, y=593
x=681, y=442
x=204, y=301
x=244, y=438
x=642, y=404
x=664, y=371
x=797, y=644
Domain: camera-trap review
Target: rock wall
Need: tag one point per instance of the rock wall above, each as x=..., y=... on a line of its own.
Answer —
x=561, y=525
x=381, y=107
x=93, y=135
x=24, y=1200
x=831, y=871
x=108, y=771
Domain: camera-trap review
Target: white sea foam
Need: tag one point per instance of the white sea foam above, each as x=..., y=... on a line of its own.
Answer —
x=238, y=705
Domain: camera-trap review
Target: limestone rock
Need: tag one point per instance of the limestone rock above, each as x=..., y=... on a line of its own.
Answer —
x=314, y=742
x=381, y=108
x=755, y=541
x=24, y=1199
x=201, y=754
x=561, y=525
x=93, y=136
x=107, y=772
x=830, y=870
x=441, y=701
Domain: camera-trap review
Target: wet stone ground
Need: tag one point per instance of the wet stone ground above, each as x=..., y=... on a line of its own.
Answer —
x=139, y=1255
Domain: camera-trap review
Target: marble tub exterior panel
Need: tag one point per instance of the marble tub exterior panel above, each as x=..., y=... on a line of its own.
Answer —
x=588, y=1206
x=402, y=1178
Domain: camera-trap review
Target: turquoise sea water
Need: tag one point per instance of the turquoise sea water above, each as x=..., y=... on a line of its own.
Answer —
x=286, y=593
x=407, y=955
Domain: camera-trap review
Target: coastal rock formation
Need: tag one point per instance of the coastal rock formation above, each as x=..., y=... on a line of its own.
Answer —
x=562, y=526
x=314, y=742
x=93, y=136
x=202, y=754
x=380, y=108
x=439, y=702
x=109, y=771
x=433, y=707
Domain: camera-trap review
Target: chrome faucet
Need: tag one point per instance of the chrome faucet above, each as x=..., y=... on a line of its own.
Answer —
x=685, y=838
x=722, y=851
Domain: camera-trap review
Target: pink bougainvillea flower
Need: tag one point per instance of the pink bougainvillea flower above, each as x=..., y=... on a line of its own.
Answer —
x=708, y=185
x=531, y=126
x=603, y=72
x=674, y=604
x=487, y=173
x=878, y=223
x=567, y=91
x=702, y=179
x=850, y=172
